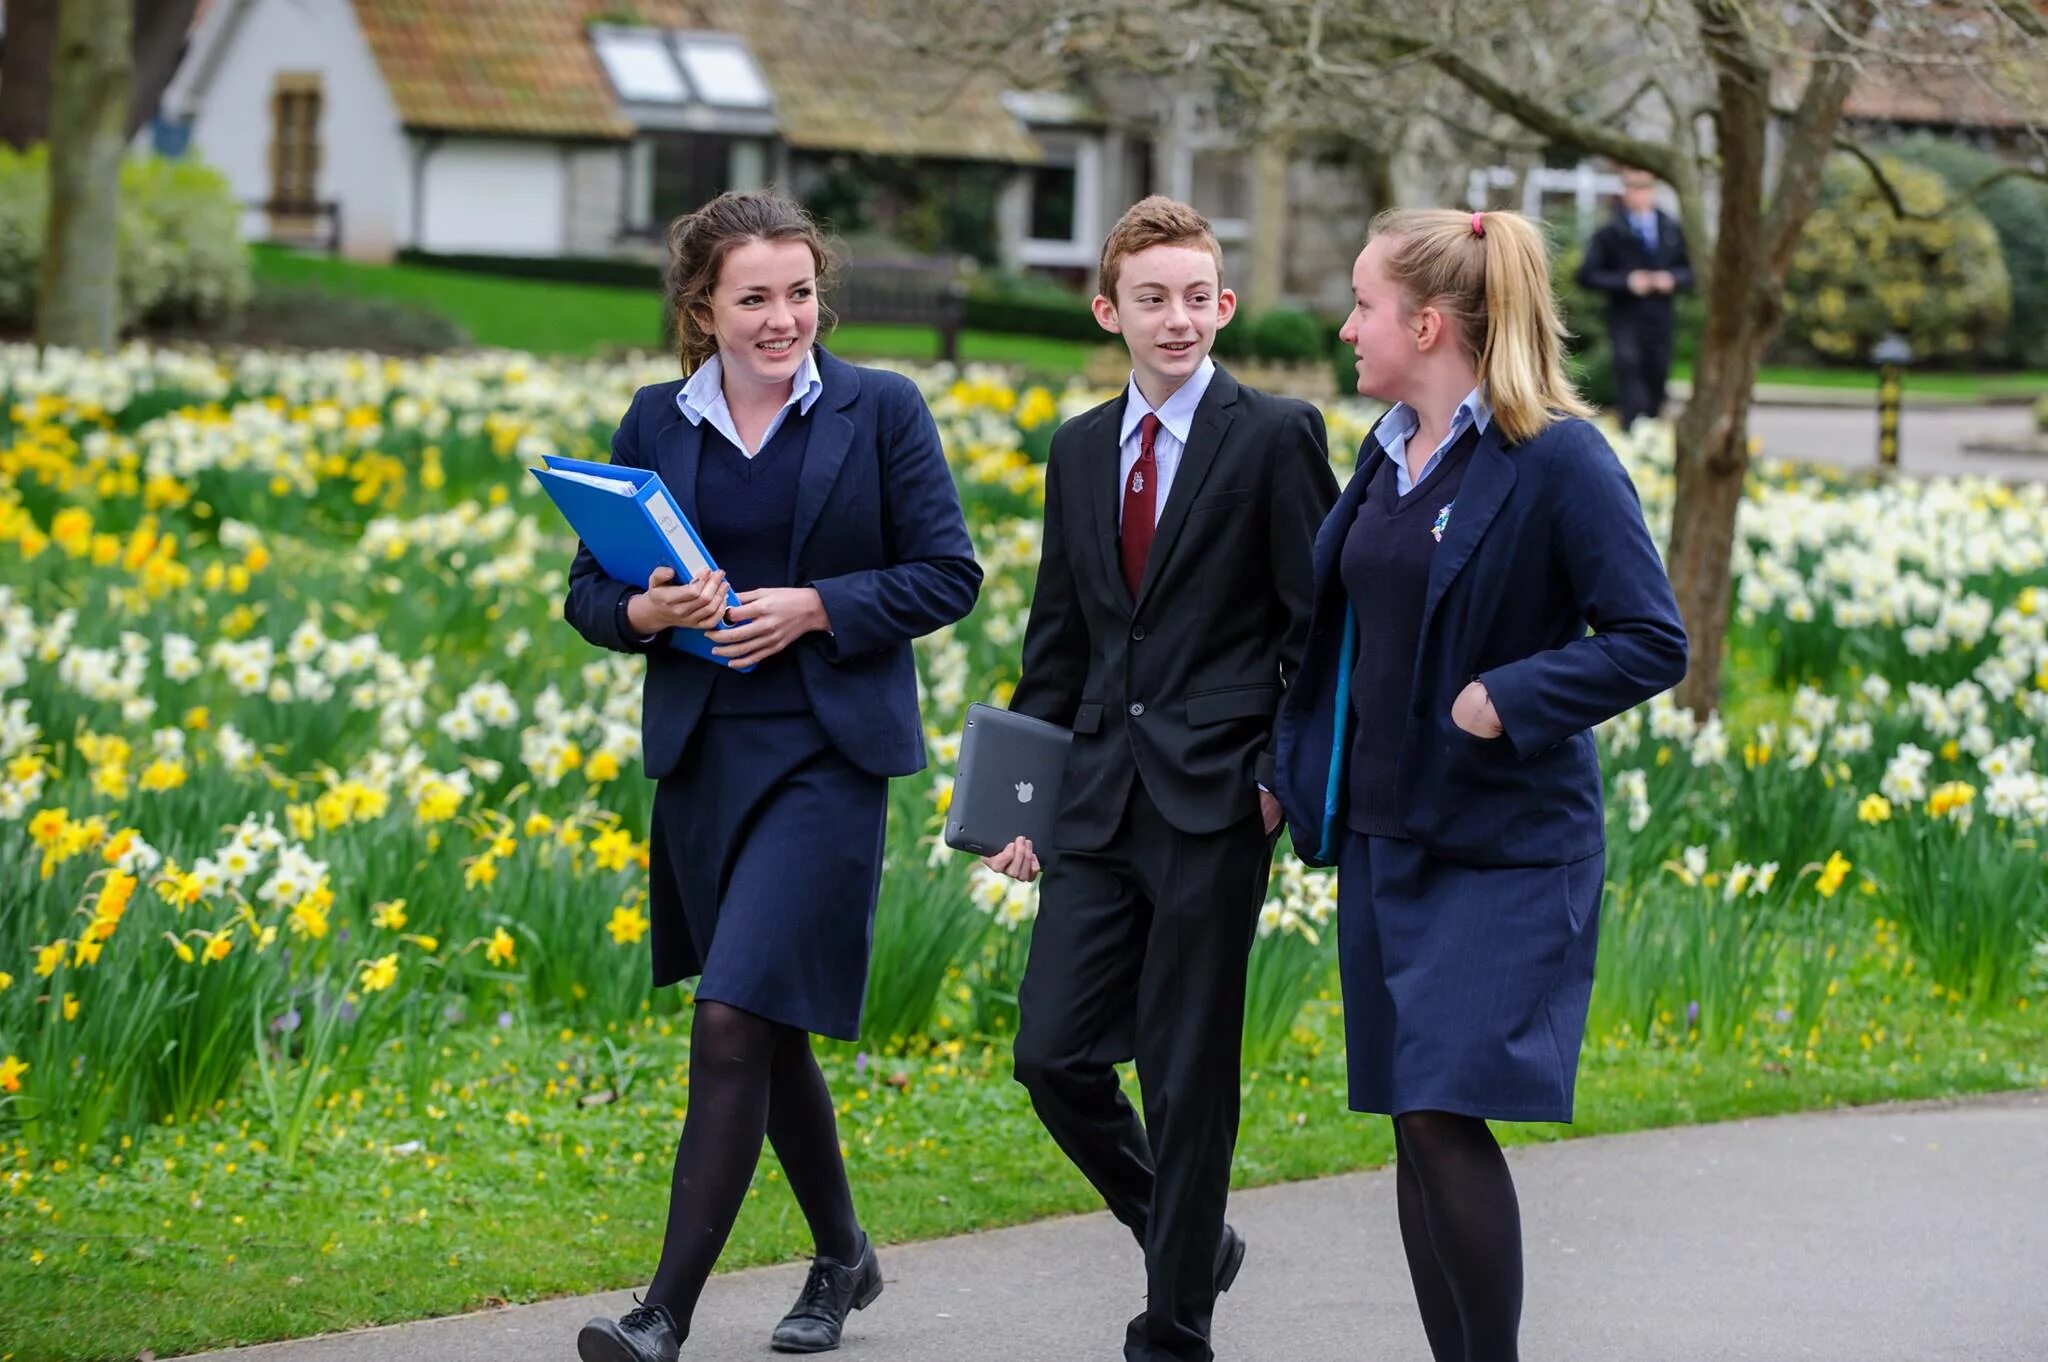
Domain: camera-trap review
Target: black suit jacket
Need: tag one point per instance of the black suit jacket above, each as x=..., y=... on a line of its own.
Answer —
x=1179, y=688
x=1615, y=251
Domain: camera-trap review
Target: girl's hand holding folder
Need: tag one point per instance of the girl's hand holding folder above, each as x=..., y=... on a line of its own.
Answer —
x=693, y=605
x=767, y=621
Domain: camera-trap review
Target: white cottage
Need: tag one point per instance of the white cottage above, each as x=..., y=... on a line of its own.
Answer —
x=578, y=127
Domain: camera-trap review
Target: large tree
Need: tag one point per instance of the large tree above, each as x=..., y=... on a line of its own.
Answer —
x=1737, y=104
x=78, y=294
x=28, y=47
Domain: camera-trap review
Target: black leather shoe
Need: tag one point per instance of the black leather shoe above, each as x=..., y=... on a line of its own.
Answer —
x=1229, y=1258
x=646, y=1333
x=832, y=1291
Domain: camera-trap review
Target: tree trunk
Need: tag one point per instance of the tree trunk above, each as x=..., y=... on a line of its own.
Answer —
x=25, y=71
x=1745, y=306
x=161, y=28
x=1713, y=434
x=78, y=302
x=1268, y=278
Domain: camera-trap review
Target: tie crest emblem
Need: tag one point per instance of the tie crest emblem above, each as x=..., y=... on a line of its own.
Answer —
x=1137, y=480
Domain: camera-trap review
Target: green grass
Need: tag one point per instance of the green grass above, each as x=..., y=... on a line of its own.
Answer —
x=197, y=1238
x=2033, y=383
x=550, y=318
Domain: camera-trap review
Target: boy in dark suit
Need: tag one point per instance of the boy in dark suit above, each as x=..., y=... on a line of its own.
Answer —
x=1638, y=260
x=1171, y=609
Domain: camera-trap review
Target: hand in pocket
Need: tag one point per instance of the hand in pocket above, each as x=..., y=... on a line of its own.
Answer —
x=1473, y=712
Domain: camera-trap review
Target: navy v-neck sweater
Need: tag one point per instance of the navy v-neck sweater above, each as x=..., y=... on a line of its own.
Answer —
x=1385, y=567
x=746, y=511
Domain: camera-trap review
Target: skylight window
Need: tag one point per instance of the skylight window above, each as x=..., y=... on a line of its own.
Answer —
x=723, y=73
x=640, y=65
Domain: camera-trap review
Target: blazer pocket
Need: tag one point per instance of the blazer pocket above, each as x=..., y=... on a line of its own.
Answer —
x=1232, y=702
x=1088, y=716
x=1216, y=501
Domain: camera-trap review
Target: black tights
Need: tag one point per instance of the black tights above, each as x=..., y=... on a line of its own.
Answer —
x=748, y=1077
x=1462, y=1229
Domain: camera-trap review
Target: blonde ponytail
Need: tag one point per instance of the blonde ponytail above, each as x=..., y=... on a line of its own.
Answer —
x=1489, y=274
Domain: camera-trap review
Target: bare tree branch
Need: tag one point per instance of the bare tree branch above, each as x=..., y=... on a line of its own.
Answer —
x=1959, y=199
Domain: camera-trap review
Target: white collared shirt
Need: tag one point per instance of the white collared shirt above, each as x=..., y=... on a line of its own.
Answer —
x=1400, y=425
x=1176, y=420
x=702, y=398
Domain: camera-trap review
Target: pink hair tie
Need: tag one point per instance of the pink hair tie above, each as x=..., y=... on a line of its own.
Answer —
x=1479, y=224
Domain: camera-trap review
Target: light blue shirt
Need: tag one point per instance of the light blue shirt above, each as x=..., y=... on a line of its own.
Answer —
x=1176, y=419
x=703, y=399
x=1401, y=423
x=1646, y=228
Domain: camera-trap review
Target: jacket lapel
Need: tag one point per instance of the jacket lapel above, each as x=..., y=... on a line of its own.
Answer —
x=1330, y=538
x=1485, y=489
x=1105, y=492
x=1213, y=416
x=831, y=438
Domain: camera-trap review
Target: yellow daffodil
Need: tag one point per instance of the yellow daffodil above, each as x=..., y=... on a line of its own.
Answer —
x=1832, y=874
x=380, y=974
x=627, y=925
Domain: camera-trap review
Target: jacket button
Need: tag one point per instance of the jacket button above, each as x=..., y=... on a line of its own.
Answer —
x=1137, y=711
x=1138, y=631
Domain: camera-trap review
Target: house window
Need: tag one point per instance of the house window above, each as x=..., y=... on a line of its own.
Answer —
x=295, y=144
x=1221, y=186
x=1053, y=203
x=690, y=169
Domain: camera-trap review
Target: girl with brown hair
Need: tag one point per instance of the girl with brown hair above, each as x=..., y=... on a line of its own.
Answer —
x=821, y=491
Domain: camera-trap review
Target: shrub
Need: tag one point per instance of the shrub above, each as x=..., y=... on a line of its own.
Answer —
x=181, y=258
x=297, y=318
x=1861, y=272
x=2017, y=210
x=1288, y=336
x=1020, y=305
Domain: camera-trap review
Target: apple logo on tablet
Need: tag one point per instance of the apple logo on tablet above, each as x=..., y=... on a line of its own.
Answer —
x=1023, y=792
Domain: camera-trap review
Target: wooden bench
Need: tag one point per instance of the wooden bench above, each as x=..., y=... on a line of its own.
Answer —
x=907, y=290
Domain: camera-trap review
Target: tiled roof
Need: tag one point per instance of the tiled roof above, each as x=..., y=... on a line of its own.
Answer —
x=526, y=68
x=841, y=85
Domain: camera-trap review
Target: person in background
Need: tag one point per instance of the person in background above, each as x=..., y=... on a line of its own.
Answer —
x=1638, y=262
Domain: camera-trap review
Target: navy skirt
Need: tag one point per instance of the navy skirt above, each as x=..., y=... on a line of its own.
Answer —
x=765, y=864
x=1465, y=987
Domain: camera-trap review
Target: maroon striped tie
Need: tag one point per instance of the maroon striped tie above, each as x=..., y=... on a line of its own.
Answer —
x=1140, y=497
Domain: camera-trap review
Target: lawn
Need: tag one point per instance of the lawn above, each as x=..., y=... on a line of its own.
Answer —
x=549, y=318
x=585, y=319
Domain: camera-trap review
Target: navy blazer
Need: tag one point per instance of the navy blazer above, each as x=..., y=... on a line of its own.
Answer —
x=879, y=534
x=1545, y=539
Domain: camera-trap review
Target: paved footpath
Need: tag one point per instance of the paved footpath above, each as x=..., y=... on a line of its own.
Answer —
x=1911, y=1233
x=1933, y=440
